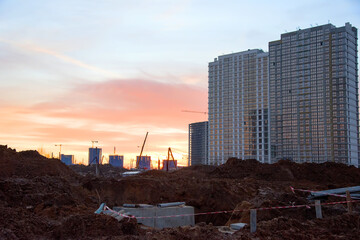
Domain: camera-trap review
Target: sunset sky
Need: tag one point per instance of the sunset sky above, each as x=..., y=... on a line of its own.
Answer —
x=75, y=71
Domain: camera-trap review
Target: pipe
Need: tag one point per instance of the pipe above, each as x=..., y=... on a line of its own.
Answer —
x=129, y=205
x=172, y=204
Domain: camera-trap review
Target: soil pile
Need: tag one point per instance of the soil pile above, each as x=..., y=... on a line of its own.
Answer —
x=29, y=164
x=105, y=170
x=210, y=188
x=323, y=173
x=42, y=198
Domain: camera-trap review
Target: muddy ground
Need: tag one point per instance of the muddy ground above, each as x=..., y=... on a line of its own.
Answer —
x=42, y=198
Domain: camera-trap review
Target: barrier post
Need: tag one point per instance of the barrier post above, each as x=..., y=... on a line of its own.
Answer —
x=252, y=220
x=349, y=204
x=318, y=209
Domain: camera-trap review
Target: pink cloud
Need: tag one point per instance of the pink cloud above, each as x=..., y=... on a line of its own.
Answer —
x=135, y=101
x=117, y=113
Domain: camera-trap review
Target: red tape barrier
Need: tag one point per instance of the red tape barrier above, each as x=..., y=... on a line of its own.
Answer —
x=231, y=211
x=311, y=191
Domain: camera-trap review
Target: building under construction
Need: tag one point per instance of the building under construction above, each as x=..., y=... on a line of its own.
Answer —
x=144, y=162
x=95, y=155
x=116, y=160
x=198, y=143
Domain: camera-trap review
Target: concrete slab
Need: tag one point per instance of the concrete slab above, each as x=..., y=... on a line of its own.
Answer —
x=141, y=212
x=155, y=212
x=237, y=226
x=174, y=221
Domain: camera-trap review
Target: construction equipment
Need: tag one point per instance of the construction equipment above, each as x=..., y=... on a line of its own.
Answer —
x=339, y=192
x=168, y=160
x=142, y=149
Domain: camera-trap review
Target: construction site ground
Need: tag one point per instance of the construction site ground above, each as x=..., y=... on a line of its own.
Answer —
x=41, y=198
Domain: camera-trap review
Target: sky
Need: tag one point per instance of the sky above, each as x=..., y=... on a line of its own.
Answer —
x=76, y=71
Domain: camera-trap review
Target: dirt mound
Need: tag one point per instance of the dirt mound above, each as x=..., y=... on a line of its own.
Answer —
x=45, y=191
x=155, y=173
x=337, y=227
x=325, y=173
x=42, y=198
x=89, y=226
x=105, y=170
x=29, y=164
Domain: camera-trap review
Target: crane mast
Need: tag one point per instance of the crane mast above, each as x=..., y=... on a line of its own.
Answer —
x=142, y=149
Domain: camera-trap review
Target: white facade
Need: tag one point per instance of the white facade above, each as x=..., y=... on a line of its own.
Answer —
x=238, y=107
x=314, y=98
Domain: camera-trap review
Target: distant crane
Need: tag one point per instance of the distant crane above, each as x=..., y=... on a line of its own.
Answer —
x=142, y=149
x=190, y=111
x=92, y=146
x=168, y=160
x=59, y=145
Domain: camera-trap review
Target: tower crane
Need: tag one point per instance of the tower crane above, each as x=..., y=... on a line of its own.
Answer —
x=190, y=111
x=142, y=148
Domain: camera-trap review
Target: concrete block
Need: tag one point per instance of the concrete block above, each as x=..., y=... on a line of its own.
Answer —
x=175, y=221
x=155, y=212
x=141, y=212
x=237, y=226
x=107, y=212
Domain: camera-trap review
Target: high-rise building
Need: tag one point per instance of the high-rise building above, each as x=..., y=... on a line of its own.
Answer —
x=198, y=143
x=67, y=159
x=95, y=155
x=314, y=95
x=116, y=160
x=144, y=162
x=238, y=107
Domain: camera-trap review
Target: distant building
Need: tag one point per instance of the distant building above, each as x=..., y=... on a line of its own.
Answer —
x=67, y=159
x=95, y=155
x=198, y=143
x=238, y=107
x=314, y=95
x=145, y=162
x=169, y=164
x=116, y=160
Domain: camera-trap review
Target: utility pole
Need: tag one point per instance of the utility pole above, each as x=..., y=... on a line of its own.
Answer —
x=59, y=145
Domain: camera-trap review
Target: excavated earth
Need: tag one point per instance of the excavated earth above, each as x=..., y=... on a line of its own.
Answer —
x=41, y=198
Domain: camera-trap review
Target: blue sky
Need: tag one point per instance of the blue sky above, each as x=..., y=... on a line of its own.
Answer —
x=50, y=51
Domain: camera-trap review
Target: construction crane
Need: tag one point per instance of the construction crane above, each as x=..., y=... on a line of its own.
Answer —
x=168, y=160
x=142, y=148
x=59, y=145
x=92, y=141
x=189, y=111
